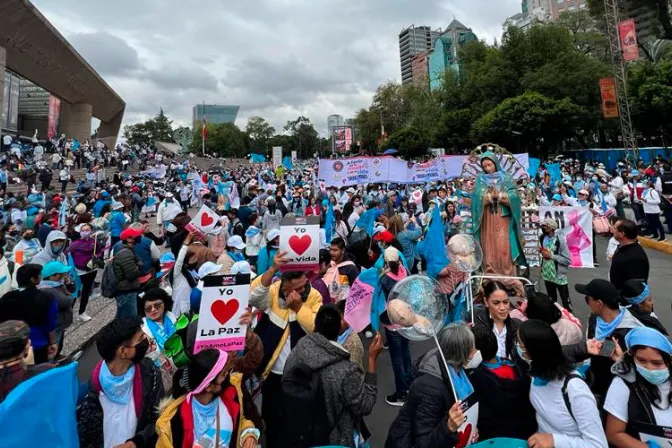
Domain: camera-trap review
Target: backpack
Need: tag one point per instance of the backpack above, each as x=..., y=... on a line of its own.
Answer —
x=565, y=394
x=304, y=409
x=332, y=278
x=109, y=283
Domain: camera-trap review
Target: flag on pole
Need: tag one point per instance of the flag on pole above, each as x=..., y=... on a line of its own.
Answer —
x=205, y=129
x=433, y=248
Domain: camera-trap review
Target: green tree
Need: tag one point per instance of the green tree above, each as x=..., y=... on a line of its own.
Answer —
x=588, y=34
x=529, y=121
x=368, y=124
x=157, y=129
x=409, y=141
x=305, y=139
x=259, y=130
x=225, y=140
x=650, y=89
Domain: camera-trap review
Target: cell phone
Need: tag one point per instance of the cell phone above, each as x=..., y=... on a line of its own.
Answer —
x=608, y=349
x=516, y=301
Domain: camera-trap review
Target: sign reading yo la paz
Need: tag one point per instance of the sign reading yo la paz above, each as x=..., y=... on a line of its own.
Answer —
x=300, y=239
x=225, y=299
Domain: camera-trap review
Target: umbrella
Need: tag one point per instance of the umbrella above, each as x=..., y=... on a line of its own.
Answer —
x=389, y=152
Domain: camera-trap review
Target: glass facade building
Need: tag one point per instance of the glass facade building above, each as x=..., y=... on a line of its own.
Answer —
x=214, y=113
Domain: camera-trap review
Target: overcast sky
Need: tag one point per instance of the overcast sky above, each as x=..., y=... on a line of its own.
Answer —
x=275, y=58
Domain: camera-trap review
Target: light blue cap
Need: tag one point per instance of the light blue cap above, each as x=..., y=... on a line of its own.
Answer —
x=54, y=267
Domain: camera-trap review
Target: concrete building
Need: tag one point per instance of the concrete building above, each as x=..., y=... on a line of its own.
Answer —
x=420, y=66
x=213, y=113
x=444, y=54
x=534, y=11
x=32, y=49
x=413, y=41
x=560, y=6
x=334, y=121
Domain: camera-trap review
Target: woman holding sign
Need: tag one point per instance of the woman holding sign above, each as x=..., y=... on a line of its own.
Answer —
x=210, y=410
x=431, y=418
x=638, y=401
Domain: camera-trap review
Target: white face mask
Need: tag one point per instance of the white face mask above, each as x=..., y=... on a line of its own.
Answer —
x=475, y=360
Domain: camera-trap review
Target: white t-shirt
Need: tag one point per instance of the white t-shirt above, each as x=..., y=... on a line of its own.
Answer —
x=119, y=421
x=584, y=430
x=7, y=140
x=501, y=341
x=279, y=365
x=651, y=201
x=611, y=247
x=618, y=395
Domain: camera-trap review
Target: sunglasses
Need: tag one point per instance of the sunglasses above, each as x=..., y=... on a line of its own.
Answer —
x=157, y=306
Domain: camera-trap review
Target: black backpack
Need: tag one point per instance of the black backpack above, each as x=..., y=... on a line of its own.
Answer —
x=304, y=409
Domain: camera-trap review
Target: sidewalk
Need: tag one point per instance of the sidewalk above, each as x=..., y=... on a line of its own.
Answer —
x=661, y=246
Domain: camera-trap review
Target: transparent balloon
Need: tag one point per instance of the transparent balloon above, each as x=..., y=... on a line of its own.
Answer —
x=465, y=253
x=417, y=307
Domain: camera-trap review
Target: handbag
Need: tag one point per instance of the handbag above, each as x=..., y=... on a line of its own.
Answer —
x=95, y=262
x=601, y=224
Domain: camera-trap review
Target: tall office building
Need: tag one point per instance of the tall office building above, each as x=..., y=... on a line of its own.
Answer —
x=214, y=113
x=444, y=54
x=334, y=121
x=413, y=41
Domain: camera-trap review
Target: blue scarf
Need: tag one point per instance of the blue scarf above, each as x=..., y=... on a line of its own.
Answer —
x=161, y=334
x=49, y=284
x=117, y=389
x=204, y=416
x=343, y=337
x=604, y=329
x=463, y=387
x=236, y=257
x=500, y=362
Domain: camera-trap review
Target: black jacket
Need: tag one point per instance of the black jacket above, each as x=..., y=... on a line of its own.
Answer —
x=90, y=412
x=629, y=262
x=504, y=408
x=127, y=270
x=482, y=317
x=423, y=421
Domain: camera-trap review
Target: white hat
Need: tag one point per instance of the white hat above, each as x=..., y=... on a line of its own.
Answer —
x=208, y=268
x=169, y=195
x=272, y=234
x=391, y=254
x=242, y=267
x=117, y=206
x=350, y=190
x=236, y=241
x=379, y=228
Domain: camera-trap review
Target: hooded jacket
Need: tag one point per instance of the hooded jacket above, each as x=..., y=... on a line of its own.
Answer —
x=423, y=421
x=46, y=255
x=349, y=394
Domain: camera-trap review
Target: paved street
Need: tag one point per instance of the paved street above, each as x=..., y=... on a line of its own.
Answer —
x=383, y=414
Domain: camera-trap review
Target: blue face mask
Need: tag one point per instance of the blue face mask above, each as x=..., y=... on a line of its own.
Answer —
x=656, y=377
x=521, y=352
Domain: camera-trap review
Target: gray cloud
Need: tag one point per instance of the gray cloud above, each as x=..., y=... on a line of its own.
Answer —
x=276, y=59
x=106, y=53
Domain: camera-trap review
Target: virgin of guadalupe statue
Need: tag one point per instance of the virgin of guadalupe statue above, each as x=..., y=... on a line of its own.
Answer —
x=496, y=210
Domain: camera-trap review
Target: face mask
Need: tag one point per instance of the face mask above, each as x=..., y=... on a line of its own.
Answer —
x=656, y=377
x=521, y=353
x=357, y=204
x=14, y=233
x=57, y=249
x=140, y=351
x=275, y=246
x=594, y=178
x=85, y=234
x=475, y=360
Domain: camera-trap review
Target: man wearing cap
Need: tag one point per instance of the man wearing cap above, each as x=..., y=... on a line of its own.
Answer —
x=288, y=307
x=233, y=253
x=15, y=350
x=555, y=263
x=127, y=270
x=607, y=320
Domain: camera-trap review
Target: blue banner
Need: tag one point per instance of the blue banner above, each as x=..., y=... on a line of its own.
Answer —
x=257, y=158
x=554, y=172
x=41, y=411
x=533, y=169
x=287, y=163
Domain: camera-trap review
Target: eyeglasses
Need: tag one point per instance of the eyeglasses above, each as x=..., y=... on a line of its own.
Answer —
x=156, y=306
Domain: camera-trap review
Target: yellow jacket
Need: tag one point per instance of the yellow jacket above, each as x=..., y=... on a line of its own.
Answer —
x=172, y=407
x=268, y=301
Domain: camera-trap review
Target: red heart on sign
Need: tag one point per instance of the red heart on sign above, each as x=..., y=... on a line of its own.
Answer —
x=463, y=437
x=206, y=220
x=223, y=311
x=300, y=244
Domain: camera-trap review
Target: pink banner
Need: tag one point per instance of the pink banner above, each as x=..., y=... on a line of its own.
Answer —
x=358, y=306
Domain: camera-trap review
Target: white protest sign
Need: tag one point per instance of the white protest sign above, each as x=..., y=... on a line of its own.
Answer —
x=575, y=227
x=300, y=239
x=466, y=432
x=277, y=156
x=225, y=299
x=205, y=220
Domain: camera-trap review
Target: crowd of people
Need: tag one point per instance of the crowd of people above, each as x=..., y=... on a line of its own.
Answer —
x=305, y=378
